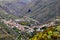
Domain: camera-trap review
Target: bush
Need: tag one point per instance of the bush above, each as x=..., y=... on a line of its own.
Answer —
x=48, y=34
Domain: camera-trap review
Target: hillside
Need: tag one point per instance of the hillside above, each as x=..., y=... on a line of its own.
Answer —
x=7, y=33
x=29, y=19
x=36, y=10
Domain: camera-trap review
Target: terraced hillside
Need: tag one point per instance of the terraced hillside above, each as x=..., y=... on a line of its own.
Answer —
x=7, y=33
x=42, y=10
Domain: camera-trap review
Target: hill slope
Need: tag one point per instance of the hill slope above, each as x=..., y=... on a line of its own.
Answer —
x=42, y=10
x=7, y=33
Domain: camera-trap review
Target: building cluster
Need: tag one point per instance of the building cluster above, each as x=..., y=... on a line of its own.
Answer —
x=11, y=23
